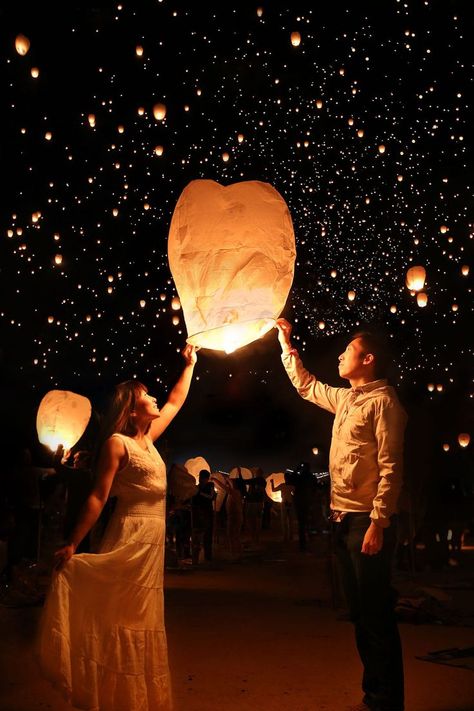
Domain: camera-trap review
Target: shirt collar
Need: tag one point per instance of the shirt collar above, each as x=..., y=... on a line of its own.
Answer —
x=368, y=387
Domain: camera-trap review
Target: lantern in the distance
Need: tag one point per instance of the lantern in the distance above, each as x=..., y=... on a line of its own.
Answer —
x=415, y=279
x=464, y=439
x=231, y=252
x=295, y=38
x=62, y=418
x=422, y=299
x=277, y=479
x=22, y=45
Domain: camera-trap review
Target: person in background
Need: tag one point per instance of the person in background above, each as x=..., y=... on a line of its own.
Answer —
x=203, y=517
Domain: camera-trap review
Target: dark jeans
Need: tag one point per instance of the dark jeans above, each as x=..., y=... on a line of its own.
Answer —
x=371, y=601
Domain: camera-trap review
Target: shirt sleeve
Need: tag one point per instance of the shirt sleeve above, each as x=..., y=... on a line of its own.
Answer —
x=308, y=386
x=389, y=428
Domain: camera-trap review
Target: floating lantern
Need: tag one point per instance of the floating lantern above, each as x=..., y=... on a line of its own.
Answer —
x=465, y=270
x=225, y=157
x=440, y=387
x=48, y=135
x=277, y=479
x=319, y=104
x=321, y=325
x=350, y=121
x=295, y=39
x=259, y=11
x=445, y=447
x=393, y=309
x=415, y=279
x=175, y=303
x=159, y=150
x=142, y=303
x=360, y=132
x=175, y=320
x=139, y=50
x=430, y=387
x=443, y=229
x=464, y=439
x=231, y=252
x=120, y=129
x=240, y=137
x=381, y=148
x=91, y=119
x=422, y=299
x=58, y=259
x=454, y=307
x=315, y=451
x=22, y=44
x=62, y=418
x=196, y=464
x=351, y=295
x=159, y=111
x=35, y=72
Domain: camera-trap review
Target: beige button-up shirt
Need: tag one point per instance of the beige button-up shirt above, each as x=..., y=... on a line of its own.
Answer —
x=366, y=456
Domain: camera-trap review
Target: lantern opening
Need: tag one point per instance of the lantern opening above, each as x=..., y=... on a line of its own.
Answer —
x=232, y=336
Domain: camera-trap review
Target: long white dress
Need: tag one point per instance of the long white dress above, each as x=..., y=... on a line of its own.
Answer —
x=102, y=638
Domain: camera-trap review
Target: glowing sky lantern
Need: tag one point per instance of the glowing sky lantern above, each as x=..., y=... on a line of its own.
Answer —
x=464, y=439
x=62, y=418
x=175, y=303
x=465, y=270
x=159, y=111
x=195, y=465
x=319, y=104
x=240, y=137
x=22, y=44
x=295, y=38
x=381, y=148
x=415, y=279
x=422, y=299
x=277, y=480
x=91, y=119
x=139, y=50
x=35, y=72
x=58, y=259
x=231, y=252
x=443, y=229
x=159, y=150
x=351, y=295
x=225, y=157
x=446, y=447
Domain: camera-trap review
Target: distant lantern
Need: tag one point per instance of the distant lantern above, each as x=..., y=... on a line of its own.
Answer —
x=276, y=479
x=443, y=229
x=162, y=297
x=159, y=150
x=333, y=273
x=342, y=71
x=393, y=309
x=58, y=259
x=465, y=270
x=400, y=178
x=259, y=11
x=454, y=307
x=422, y=299
x=115, y=212
x=159, y=111
x=22, y=44
x=175, y=320
x=62, y=418
x=464, y=439
x=351, y=295
x=48, y=135
x=141, y=111
x=440, y=387
x=295, y=39
x=175, y=303
x=350, y=121
x=321, y=325
x=196, y=465
x=315, y=451
x=381, y=148
x=142, y=303
x=120, y=129
x=430, y=387
x=319, y=104
x=35, y=72
x=240, y=137
x=91, y=119
x=225, y=157
x=415, y=278
x=445, y=447
x=50, y=319
x=139, y=50
x=231, y=252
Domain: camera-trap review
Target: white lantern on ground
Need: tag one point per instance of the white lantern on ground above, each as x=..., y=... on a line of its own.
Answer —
x=62, y=418
x=231, y=252
x=195, y=465
x=277, y=480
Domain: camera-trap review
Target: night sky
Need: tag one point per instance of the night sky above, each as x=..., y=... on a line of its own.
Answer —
x=364, y=127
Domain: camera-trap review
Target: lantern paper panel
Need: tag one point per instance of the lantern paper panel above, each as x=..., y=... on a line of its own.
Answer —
x=244, y=473
x=181, y=484
x=195, y=465
x=277, y=480
x=231, y=251
x=62, y=418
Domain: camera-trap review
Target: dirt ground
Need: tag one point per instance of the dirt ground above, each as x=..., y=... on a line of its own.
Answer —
x=263, y=635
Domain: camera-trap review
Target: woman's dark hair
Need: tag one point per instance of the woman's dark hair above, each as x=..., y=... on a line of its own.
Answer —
x=376, y=345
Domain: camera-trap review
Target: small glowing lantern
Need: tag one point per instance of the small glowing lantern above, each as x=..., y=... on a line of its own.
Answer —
x=321, y=325
x=62, y=418
x=422, y=299
x=393, y=309
x=35, y=72
x=415, y=279
x=58, y=259
x=295, y=39
x=351, y=295
x=175, y=303
x=381, y=148
x=159, y=150
x=464, y=439
x=240, y=137
x=231, y=252
x=319, y=104
x=360, y=132
x=445, y=447
x=22, y=45
x=139, y=50
x=142, y=303
x=465, y=270
x=443, y=229
x=259, y=11
x=195, y=465
x=430, y=387
x=277, y=479
x=91, y=119
x=315, y=451
x=175, y=320
x=440, y=387
x=225, y=157
x=159, y=111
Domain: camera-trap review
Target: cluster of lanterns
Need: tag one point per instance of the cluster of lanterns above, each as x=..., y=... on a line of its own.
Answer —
x=415, y=281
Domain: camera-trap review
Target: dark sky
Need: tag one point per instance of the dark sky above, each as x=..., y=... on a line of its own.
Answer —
x=314, y=118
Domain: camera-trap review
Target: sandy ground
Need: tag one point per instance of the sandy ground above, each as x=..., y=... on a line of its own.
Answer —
x=262, y=635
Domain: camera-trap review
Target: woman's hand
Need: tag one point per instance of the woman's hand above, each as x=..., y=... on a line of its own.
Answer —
x=284, y=333
x=62, y=556
x=189, y=354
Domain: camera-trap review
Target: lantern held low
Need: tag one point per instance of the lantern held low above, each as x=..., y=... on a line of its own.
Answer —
x=231, y=252
x=62, y=418
x=277, y=480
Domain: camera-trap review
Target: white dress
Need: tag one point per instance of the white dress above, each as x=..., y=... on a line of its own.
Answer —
x=102, y=638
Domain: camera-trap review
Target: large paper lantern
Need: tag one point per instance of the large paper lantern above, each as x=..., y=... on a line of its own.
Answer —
x=464, y=439
x=195, y=465
x=62, y=418
x=181, y=484
x=277, y=480
x=231, y=252
x=415, y=279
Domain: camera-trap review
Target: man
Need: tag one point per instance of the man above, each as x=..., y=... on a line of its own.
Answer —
x=365, y=464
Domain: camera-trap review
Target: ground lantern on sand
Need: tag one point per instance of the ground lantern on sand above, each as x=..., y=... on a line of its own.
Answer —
x=62, y=418
x=231, y=252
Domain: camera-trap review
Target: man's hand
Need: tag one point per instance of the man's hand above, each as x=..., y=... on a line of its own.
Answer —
x=284, y=333
x=189, y=354
x=62, y=556
x=373, y=540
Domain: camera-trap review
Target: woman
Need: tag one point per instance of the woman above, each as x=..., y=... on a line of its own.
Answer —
x=235, y=489
x=102, y=638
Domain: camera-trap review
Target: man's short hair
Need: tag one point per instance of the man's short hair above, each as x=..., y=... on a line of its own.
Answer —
x=377, y=345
